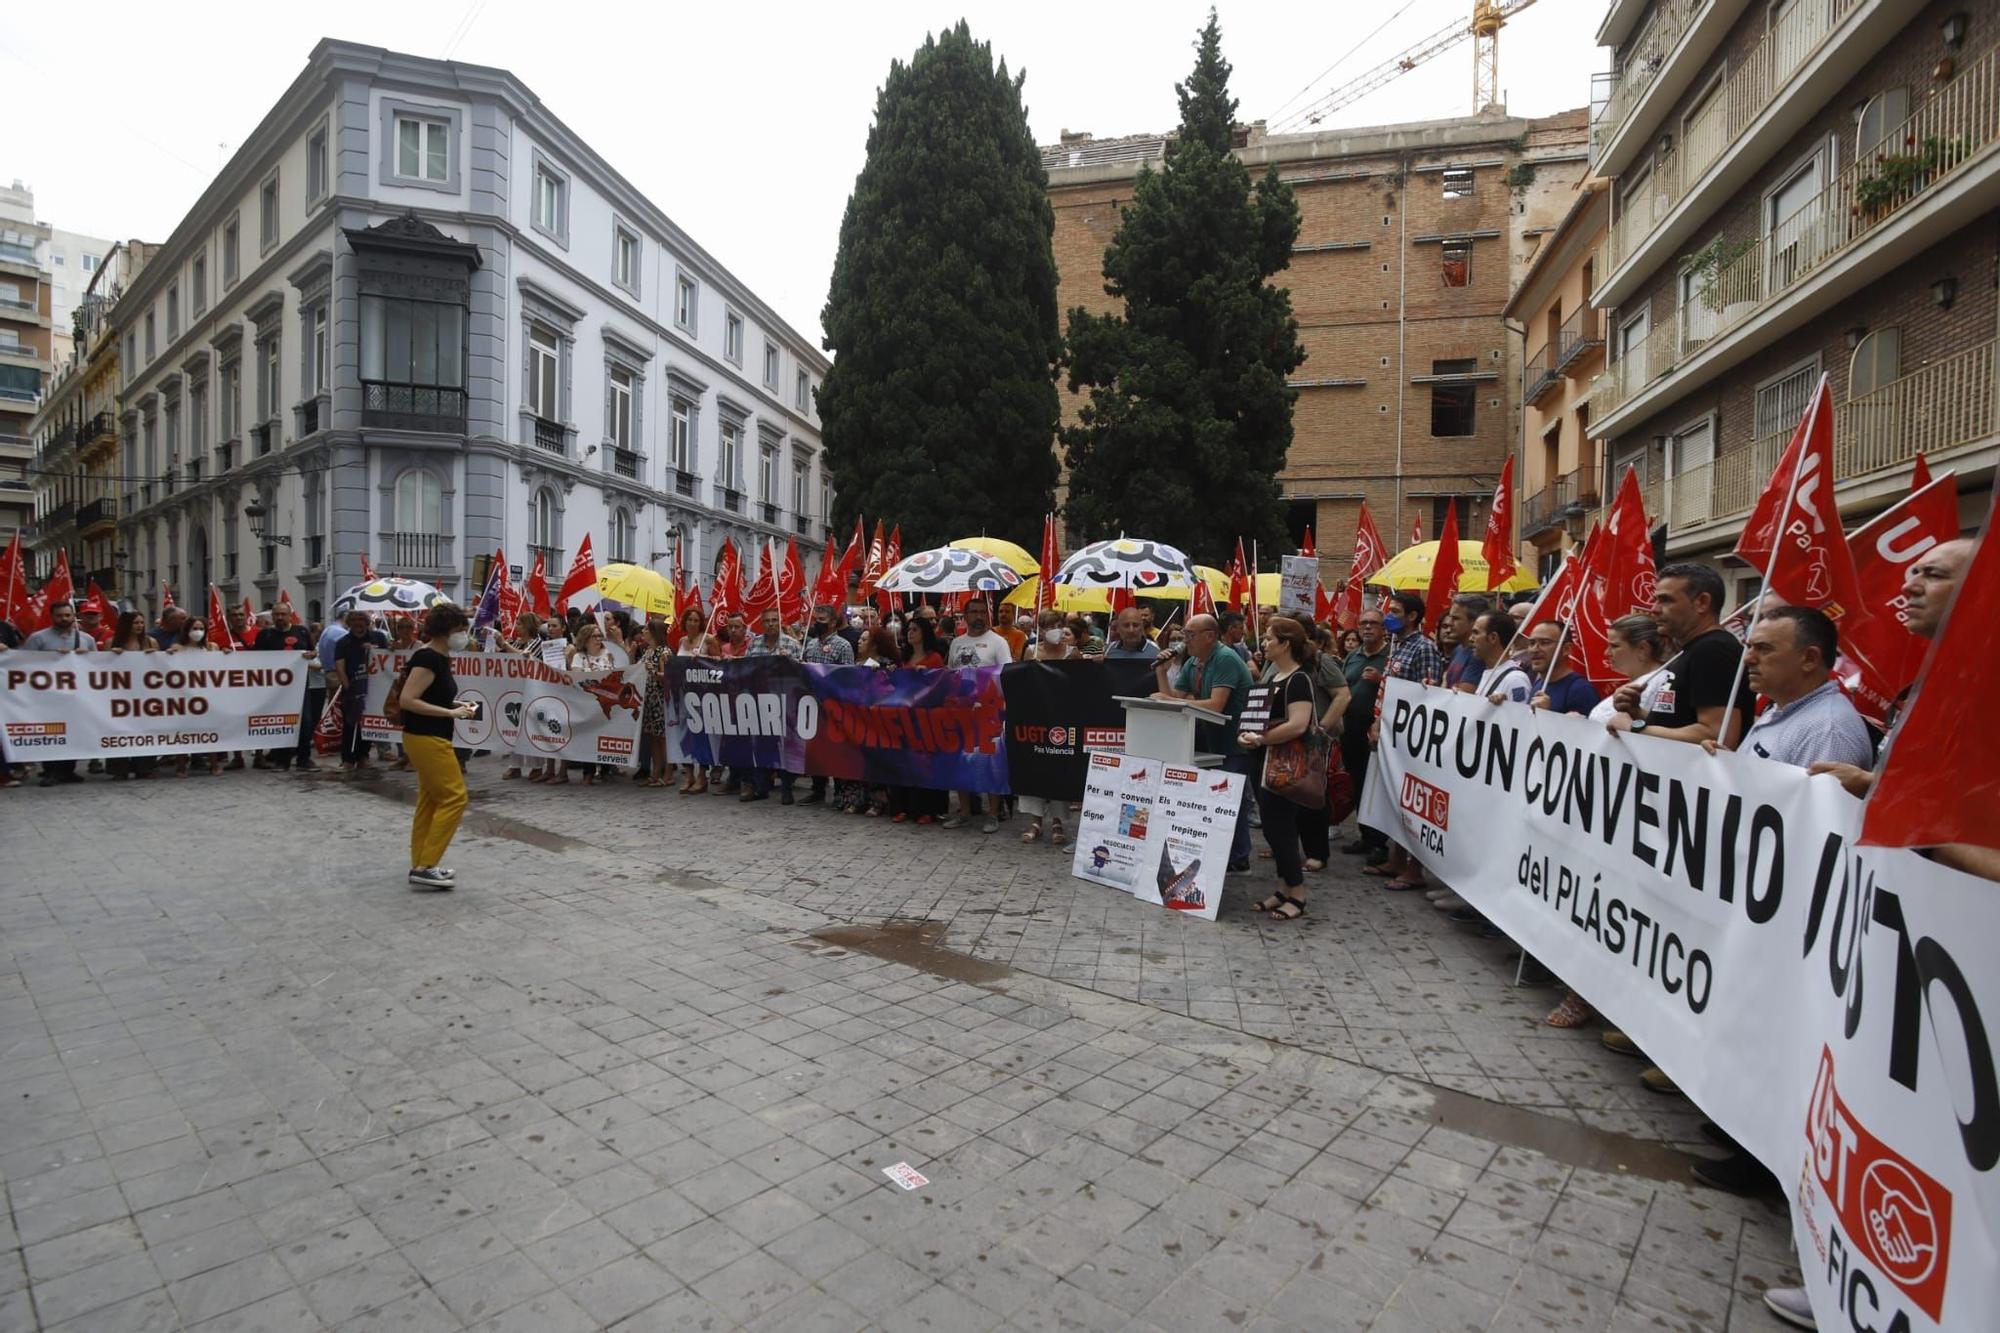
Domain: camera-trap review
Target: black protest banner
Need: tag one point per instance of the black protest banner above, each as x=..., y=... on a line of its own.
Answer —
x=1058, y=713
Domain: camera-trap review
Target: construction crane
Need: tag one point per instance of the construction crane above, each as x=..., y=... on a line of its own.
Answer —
x=1488, y=17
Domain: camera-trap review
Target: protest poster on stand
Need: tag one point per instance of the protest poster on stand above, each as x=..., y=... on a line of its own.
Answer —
x=1717, y=909
x=1298, y=579
x=1115, y=845
x=1193, y=822
x=63, y=706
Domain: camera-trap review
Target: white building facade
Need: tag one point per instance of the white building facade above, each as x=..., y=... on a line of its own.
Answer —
x=416, y=320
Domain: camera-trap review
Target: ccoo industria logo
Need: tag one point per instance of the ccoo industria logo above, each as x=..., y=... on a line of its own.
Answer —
x=36, y=735
x=273, y=726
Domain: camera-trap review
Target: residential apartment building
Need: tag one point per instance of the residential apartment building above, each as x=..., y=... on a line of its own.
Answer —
x=1798, y=188
x=25, y=351
x=1411, y=239
x=416, y=319
x=1559, y=475
x=77, y=456
x=68, y=259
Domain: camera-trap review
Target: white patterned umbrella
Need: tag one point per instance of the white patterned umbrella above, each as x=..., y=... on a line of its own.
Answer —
x=381, y=596
x=949, y=569
x=1128, y=562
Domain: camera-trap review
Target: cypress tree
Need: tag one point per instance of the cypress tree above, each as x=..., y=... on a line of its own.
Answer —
x=941, y=407
x=1189, y=416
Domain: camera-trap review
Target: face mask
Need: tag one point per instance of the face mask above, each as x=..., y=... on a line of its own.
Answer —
x=896, y=626
x=1052, y=637
x=1173, y=645
x=821, y=629
x=458, y=641
x=197, y=635
x=1394, y=624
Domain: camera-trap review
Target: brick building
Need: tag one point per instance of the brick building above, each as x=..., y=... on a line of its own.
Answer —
x=1798, y=188
x=1411, y=239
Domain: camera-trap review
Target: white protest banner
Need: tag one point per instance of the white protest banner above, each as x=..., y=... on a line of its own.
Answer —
x=1298, y=579
x=1113, y=829
x=526, y=707
x=58, y=706
x=1193, y=821
x=1716, y=908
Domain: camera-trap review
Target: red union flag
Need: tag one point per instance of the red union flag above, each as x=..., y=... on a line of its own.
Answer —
x=218, y=622
x=1793, y=536
x=726, y=596
x=582, y=576
x=826, y=591
x=1940, y=779
x=538, y=586
x=1445, y=569
x=792, y=585
x=13, y=585
x=763, y=595
x=1045, y=584
x=1879, y=655
x=1498, y=547
x=874, y=566
x=1628, y=554
x=1370, y=554
x=1242, y=587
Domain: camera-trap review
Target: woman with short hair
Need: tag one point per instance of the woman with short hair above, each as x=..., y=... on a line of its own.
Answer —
x=428, y=699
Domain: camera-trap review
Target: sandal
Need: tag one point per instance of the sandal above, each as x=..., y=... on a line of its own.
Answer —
x=1404, y=885
x=1270, y=904
x=1314, y=864
x=1297, y=906
x=899, y=818
x=1376, y=872
x=1034, y=834
x=1573, y=1012
x=1056, y=836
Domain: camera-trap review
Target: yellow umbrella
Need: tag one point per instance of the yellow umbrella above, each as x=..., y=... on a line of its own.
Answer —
x=1014, y=557
x=1217, y=581
x=1068, y=596
x=1411, y=570
x=639, y=587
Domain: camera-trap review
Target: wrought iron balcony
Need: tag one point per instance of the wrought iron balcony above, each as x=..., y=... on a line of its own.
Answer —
x=802, y=525
x=732, y=501
x=1539, y=375
x=419, y=550
x=625, y=462
x=225, y=456
x=262, y=438
x=96, y=513
x=768, y=512
x=102, y=426
x=309, y=417
x=686, y=483
x=549, y=436
x=412, y=406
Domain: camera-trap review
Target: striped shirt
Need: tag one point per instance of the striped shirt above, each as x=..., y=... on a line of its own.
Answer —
x=1817, y=728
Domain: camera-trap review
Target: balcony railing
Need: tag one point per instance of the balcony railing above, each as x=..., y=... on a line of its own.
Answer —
x=549, y=436
x=315, y=552
x=625, y=462
x=99, y=427
x=1539, y=511
x=1539, y=375
x=802, y=525
x=728, y=499
x=768, y=512
x=309, y=417
x=10, y=303
x=1962, y=122
x=1932, y=409
x=412, y=406
x=56, y=516
x=225, y=456
x=686, y=483
x=1722, y=120
x=419, y=550
x=262, y=438
x=193, y=470
x=552, y=557
x=95, y=512
x=1644, y=60
x=1580, y=335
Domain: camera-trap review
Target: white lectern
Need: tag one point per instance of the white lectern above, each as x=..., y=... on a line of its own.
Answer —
x=1163, y=729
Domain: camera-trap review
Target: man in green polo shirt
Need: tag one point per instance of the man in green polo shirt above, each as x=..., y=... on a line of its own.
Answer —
x=1206, y=673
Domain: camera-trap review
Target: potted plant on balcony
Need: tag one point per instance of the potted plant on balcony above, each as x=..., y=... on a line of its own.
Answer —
x=1899, y=177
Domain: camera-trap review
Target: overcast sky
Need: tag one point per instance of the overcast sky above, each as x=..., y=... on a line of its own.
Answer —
x=745, y=122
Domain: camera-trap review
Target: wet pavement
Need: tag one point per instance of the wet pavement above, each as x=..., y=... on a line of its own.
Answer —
x=646, y=1069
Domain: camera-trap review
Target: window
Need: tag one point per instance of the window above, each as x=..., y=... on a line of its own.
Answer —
x=232, y=238
x=173, y=312
x=419, y=502
x=1632, y=348
x=316, y=165
x=545, y=521
x=686, y=305
x=550, y=212
x=1794, y=236
x=1691, y=449
x=1452, y=404
x=230, y=390
x=1877, y=360
x=423, y=149
x=90, y=263
x=680, y=435
x=198, y=286
x=770, y=364
x=152, y=344
x=801, y=488
x=267, y=214
x=618, y=412
x=802, y=392
x=767, y=474
x=270, y=384
x=732, y=335
x=1457, y=256
x=622, y=532
x=730, y=474
x=625, y=258
x=197, y=418
x=316, y=352
x=544, y=373
x=1782, y=402
x=1458, y=182
x=1882, y=116
x=406, y=342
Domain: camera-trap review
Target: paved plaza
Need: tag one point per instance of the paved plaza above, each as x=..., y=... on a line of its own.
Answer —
x=646, y=1068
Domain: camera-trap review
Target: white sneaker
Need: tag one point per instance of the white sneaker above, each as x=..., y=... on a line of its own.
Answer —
x=428, y=877
x=1435, y=894
x=1451, y=902
x=1790, y=1304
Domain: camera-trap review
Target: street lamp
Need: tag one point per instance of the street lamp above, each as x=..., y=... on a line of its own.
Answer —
x=260, y=525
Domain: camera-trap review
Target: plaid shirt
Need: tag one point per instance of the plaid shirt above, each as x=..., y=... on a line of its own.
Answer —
x=831, y=651
x=786, y=646
x=1416, y=658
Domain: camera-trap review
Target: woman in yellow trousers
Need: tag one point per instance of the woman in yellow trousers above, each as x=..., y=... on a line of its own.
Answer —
x=430, y=708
